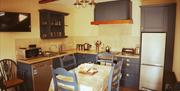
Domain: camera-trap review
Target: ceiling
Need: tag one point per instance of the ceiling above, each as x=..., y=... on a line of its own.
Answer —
x=71, y=2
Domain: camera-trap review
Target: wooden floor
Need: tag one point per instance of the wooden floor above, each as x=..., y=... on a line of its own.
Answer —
x=127, y=89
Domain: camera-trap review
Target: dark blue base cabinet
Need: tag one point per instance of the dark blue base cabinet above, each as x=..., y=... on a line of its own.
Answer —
x=80, y=58
x=85, y=58
x=130, y=72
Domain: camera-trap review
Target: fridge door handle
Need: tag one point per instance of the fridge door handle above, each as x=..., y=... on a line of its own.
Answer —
x=156, y=65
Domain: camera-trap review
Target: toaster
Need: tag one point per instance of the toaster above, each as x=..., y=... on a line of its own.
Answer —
x=128, y=51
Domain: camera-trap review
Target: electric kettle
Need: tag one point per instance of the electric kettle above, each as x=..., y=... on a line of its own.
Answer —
x=107, y=48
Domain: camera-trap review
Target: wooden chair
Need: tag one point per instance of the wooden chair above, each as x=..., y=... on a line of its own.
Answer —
x=64, y=80
x=68, y=61
x=115, y=76
x=105, y=58
x=9, y=79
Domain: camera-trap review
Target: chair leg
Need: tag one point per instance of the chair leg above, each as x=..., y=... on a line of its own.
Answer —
x=16, y=88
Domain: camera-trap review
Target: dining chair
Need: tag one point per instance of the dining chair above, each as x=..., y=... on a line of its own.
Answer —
x=105, y=58
x=8, y=75
x=115, y=76
x=64, y=80
x=68, y=61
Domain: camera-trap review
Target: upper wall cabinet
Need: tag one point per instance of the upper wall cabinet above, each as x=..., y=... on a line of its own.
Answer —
x=154, y=19
x=113, y=12
x=52, y=24
x=158, y=18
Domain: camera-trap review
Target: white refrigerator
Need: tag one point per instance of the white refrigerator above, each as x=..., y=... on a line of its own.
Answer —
x=152, y=61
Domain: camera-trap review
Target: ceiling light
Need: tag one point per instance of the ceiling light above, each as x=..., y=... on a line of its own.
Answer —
x=84, y=3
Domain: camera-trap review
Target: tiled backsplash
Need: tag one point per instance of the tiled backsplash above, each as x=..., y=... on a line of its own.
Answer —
x=116, y=42
x=67, y=43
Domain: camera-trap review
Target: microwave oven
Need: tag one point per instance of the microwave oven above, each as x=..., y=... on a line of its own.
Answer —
x=28, y=53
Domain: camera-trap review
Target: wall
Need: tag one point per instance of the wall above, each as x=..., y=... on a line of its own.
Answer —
x=176, y=65
x=176, y=61
x=115, y=35
x=79, y=28
x=152, y=2
x=8, y=41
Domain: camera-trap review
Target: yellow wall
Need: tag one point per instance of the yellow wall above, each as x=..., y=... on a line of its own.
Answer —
x=8, y=49
x=79, y=28
x=176, y=66
x=152, y=2
x=115, y=35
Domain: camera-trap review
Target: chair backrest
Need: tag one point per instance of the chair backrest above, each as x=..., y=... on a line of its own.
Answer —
x=69, y=57
x=8, y=69
x=105, y=57
x=72, y=82
x=115, y=76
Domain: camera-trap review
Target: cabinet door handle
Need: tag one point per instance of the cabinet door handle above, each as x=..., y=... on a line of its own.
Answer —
x=127, y=65
x=127, y=75
x=35, y=72
x=127, y=60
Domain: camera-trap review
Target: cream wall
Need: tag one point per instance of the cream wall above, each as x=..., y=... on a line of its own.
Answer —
x=115, y=35
x=79, y=28
x=176, y=66
x=8, y=40
x=152, y=2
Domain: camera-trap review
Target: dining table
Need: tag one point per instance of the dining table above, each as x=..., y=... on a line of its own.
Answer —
x=97, y=81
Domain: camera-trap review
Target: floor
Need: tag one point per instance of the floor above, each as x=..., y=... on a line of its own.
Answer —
x=127, y=89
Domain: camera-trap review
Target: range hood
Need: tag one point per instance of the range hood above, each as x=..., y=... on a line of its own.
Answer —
x=113, y=12
x=129, y=21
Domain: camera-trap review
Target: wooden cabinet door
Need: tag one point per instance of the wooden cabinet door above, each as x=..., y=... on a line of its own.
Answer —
x=42, y=75
x=154, y=19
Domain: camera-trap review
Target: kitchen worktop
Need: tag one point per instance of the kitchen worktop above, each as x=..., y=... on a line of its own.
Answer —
x=67, y=52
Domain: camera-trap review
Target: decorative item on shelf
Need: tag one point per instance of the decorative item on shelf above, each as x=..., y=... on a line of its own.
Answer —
x=84, y=3
x=108, y=48
x=98, y=43
x=87, y=46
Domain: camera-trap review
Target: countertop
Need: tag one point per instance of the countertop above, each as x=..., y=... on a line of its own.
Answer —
x=67, y=52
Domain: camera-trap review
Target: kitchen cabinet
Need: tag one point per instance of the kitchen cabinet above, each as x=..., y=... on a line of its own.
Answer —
x=154, y=19
x=37, y=76
x=112, y=12
x=85, y=58
x=52, y=24
x=56, y=63
x=130, y=72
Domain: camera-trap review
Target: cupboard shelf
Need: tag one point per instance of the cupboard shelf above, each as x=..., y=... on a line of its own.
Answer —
x=52, y=24
x=112, y=22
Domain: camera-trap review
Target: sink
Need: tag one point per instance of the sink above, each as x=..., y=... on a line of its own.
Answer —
x=50, y=54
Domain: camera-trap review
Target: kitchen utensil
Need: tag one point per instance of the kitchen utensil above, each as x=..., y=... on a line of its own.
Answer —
x=87, y=46
x=98, y=43
x=128, y=51
x=107, y=48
